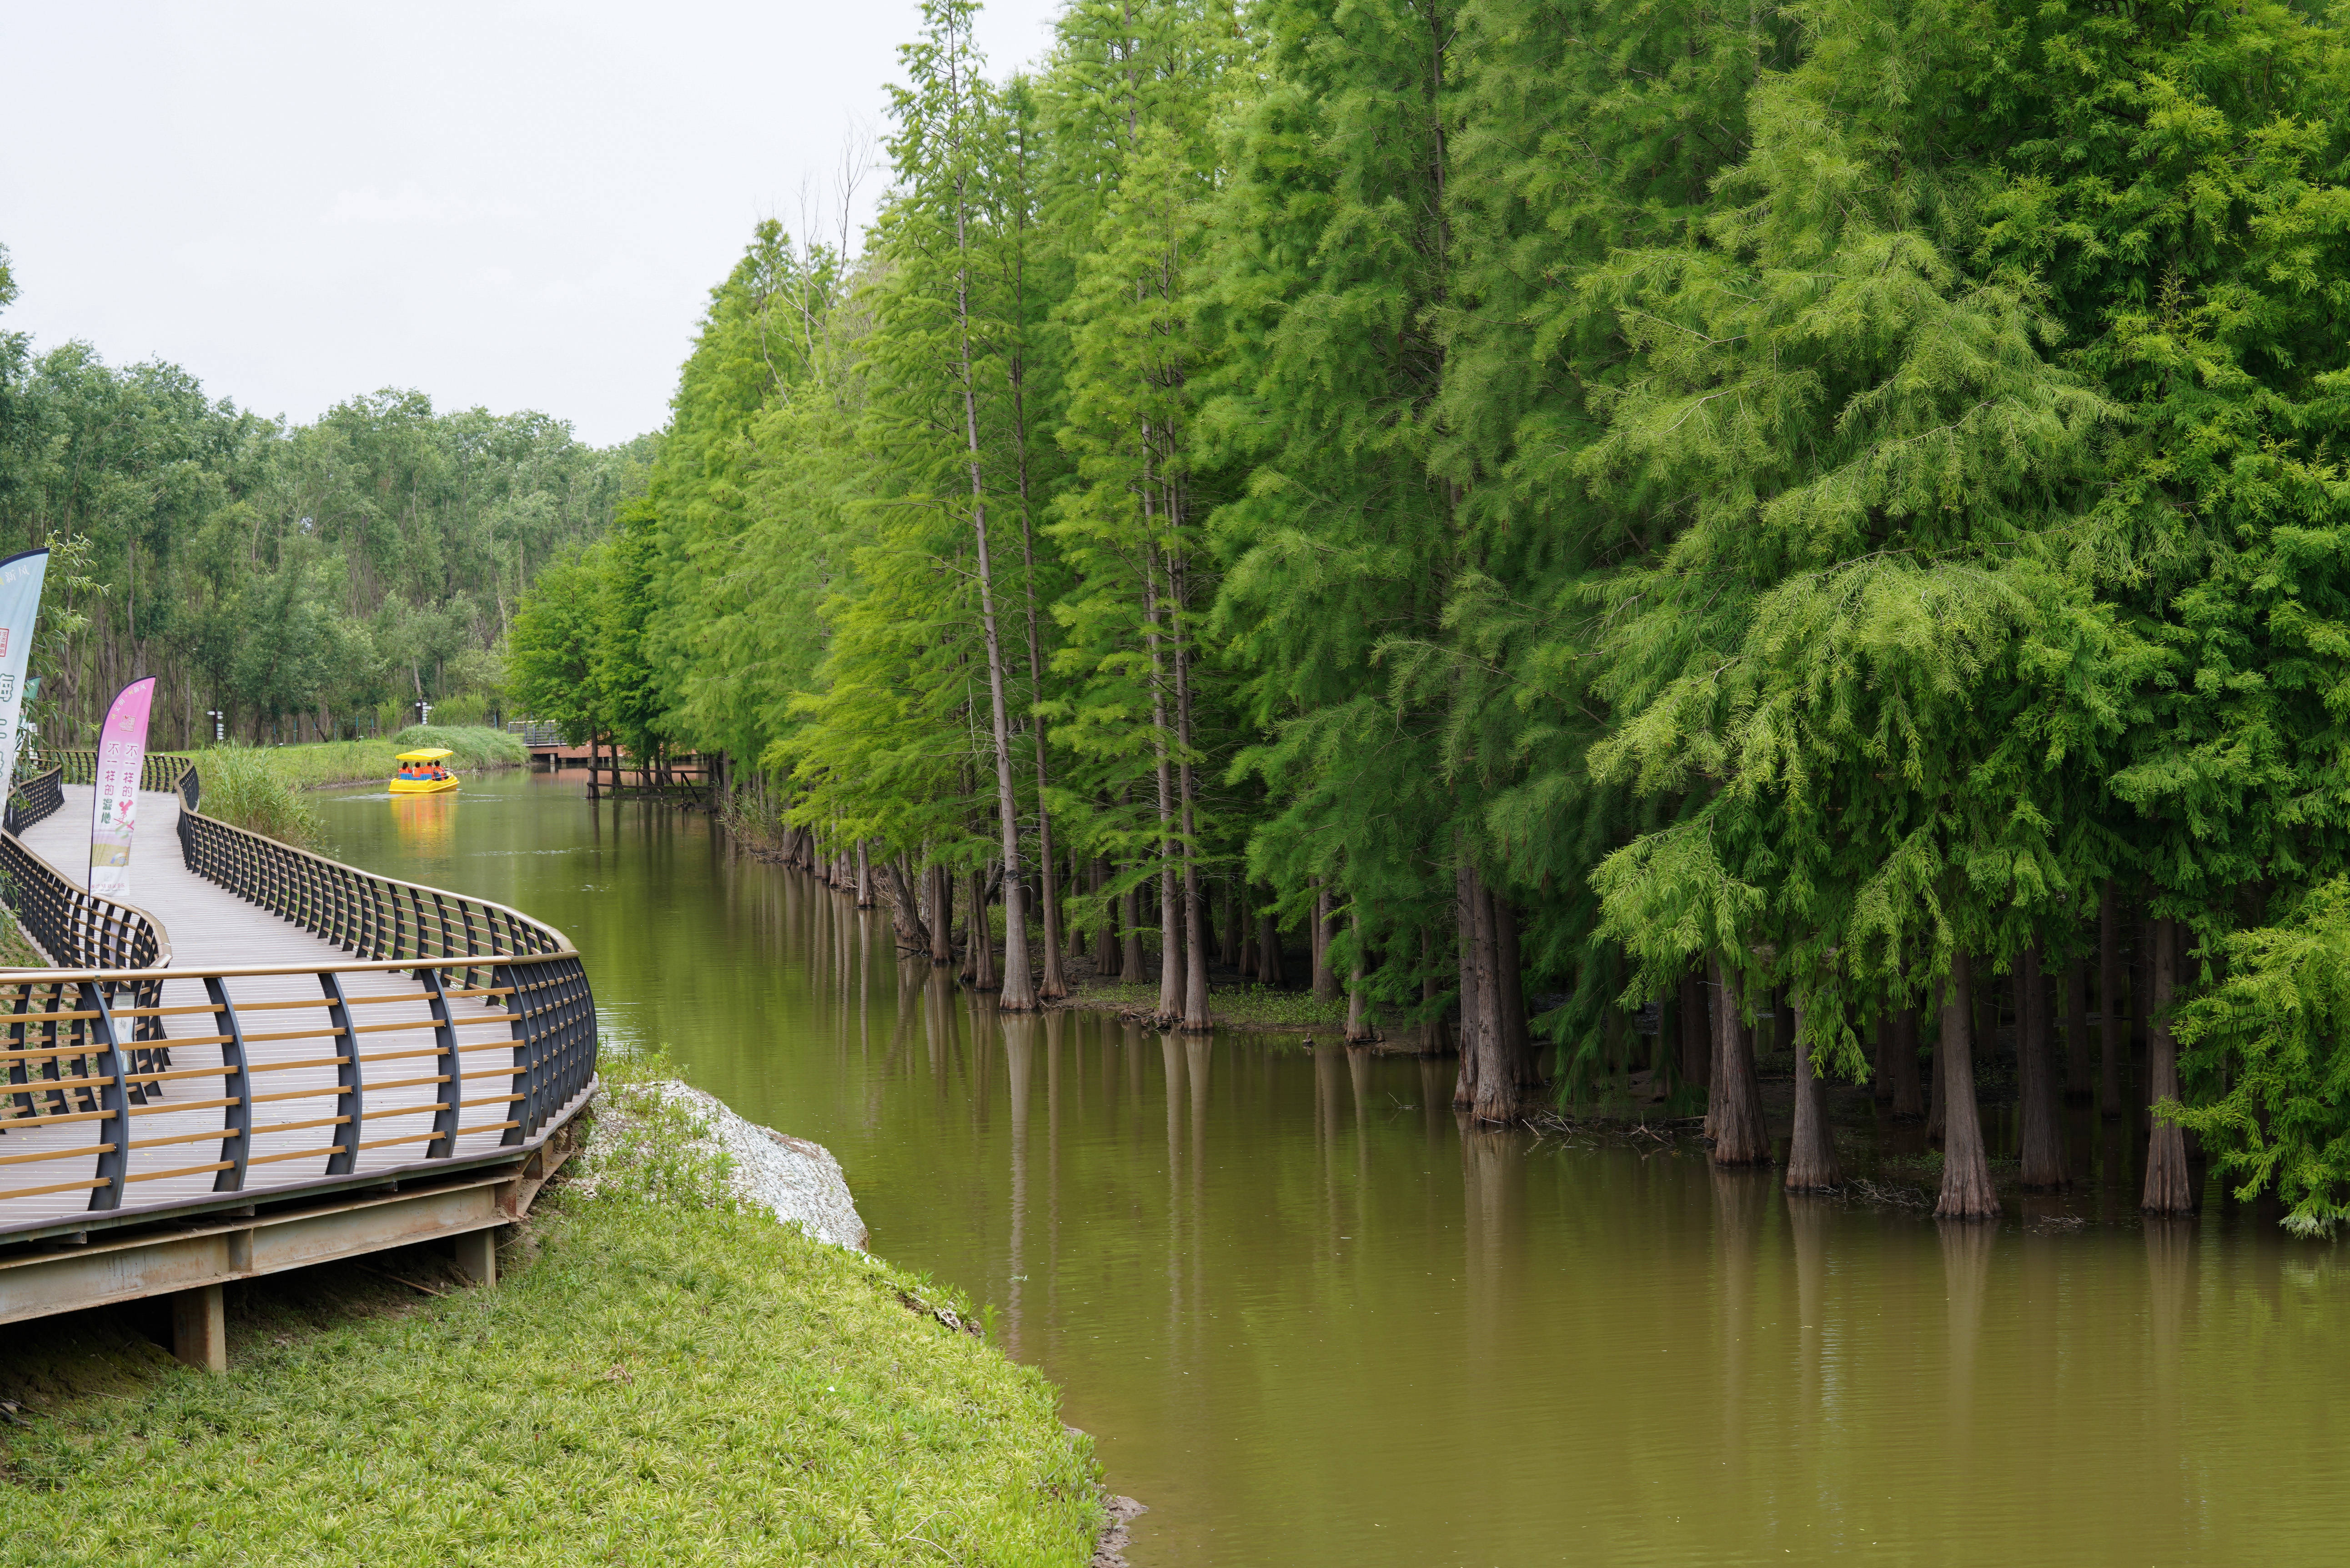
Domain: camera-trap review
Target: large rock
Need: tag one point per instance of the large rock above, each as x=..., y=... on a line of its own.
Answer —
x=799, y=1180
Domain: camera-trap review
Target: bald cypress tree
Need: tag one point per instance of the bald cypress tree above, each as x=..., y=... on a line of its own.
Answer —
x=1132, y=93
x=1575, y=131
x=2169, y=173
x=1850, y=642
x=1329, y=265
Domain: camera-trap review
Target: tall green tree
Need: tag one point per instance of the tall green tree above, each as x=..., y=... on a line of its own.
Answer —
x=1137, y=85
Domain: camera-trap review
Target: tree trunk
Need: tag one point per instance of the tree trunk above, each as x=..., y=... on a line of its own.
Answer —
x=1019, y=985
x=2040, y=1115
x=1193, y=997
x=1170, y=945
x=941, y=916
x=864, y=875
x=905, y=914
x=1741, y=1137
x=1015, y=923
x=1880, y=1055
x=1195, y=941
x=1326, y=978
x=1811, y=1153
x=1697, y=1065
x=1269, y=971
x=1171, y=959
x=1130, y=936
x=1106, y=933
x=2080, y=1070
x=1966, y=1167
x=967, y=972
x=982, y=964
x=1501, y=1027
x=1358, y=1025
x=2109, y=1004
x=1054, y=985
x=1510, y=996
x=2168, y=1189
x=1465, y=899
x=1908, y=1099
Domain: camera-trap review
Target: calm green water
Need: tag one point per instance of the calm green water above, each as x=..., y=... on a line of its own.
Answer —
x=1310, y=1321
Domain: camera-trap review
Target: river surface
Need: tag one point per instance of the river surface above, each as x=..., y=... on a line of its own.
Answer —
x=1309, y=1320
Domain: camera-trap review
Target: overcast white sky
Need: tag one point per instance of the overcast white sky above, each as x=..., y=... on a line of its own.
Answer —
x=516, y=204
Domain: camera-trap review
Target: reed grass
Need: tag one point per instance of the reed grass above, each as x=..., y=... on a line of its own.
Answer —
x=259, y=788
x=247, y=788
x=325, y=764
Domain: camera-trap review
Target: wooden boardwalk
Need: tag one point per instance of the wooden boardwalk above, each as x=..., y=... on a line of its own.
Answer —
x=183, y=1146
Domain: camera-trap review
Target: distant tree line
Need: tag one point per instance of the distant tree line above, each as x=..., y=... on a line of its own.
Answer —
x=301, y=579
x=1830, y=512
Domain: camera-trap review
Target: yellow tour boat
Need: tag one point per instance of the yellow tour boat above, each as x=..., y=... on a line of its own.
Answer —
x=425, y=772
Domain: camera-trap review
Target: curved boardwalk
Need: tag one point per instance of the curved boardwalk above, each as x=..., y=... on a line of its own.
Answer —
x=179, y=1149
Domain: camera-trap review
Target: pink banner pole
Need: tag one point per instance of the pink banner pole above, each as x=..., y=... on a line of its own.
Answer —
x=114, y=807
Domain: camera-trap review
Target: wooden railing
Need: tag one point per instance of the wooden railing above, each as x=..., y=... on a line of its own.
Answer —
x=465, y=994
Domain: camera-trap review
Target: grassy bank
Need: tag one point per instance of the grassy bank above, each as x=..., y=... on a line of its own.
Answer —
x=260, y=787
x=658, y=1382
x=327, y=762
x=16, y=948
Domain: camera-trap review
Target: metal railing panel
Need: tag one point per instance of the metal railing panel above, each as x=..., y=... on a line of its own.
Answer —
x=459, y=1028
x=321, y=895
x=536, y=732
x=278, y=1076
x=72, y=925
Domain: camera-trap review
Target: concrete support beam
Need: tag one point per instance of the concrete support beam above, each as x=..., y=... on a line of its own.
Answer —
x=200, y=1328
x=477, y=1255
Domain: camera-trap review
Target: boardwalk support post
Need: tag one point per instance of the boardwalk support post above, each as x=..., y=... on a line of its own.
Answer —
x=477, y=1256
x=200, y=1328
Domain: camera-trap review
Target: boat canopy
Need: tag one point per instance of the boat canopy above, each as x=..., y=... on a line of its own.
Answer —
x=433, y=755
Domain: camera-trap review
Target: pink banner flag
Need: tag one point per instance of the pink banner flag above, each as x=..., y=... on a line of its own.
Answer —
x=114, y=811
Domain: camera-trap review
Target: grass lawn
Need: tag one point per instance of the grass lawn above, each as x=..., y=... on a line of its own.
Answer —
x=657, y=1382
